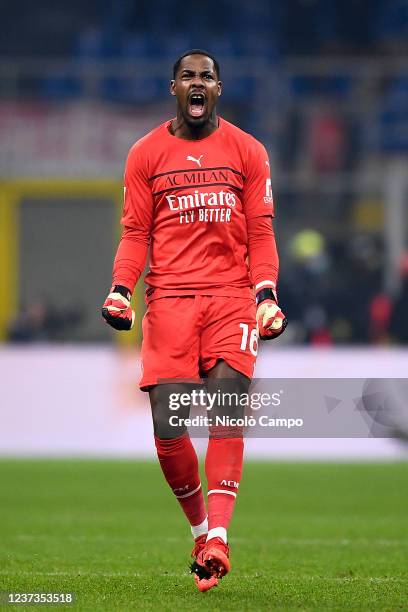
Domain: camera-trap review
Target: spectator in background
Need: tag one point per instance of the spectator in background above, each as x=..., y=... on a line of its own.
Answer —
x=364, y=279
x=327, y=142
x=42, y=322
x=380, y=313
x=305, y=287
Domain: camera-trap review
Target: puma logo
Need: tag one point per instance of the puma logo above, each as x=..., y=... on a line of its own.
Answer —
x=194, y=159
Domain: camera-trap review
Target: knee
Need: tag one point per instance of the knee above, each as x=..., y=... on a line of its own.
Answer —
x=163, y=428
x=164, y=424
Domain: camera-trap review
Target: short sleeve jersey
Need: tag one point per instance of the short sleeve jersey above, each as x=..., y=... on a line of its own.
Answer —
x=194, y=198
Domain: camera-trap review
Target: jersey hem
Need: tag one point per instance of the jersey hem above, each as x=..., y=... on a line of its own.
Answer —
x=155, y=293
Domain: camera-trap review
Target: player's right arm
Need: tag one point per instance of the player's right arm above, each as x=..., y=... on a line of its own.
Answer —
x=131, y=255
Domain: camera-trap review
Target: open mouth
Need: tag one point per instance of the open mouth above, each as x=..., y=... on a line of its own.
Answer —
x=196, y=104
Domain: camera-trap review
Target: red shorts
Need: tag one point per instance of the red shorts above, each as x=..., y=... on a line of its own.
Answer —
x=184, y=337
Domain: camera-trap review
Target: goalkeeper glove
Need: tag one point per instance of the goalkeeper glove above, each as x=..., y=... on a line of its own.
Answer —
x=270, y=320
x=117, y=310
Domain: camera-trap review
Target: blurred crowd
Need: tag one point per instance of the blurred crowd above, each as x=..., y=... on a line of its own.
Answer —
x=42, y=321
x=159, y=28
x=321, y=125
x=332, y=293
x=265, y=31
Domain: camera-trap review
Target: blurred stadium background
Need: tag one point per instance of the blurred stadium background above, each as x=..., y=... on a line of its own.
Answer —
x=323, y=83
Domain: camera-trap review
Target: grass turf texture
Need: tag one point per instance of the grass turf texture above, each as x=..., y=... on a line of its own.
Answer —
x=304, y=537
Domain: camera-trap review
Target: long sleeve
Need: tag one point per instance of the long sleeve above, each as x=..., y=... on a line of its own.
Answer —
x=137, y=220
x=131, y=257
x=262, y=252
x=257, y=193
x=259, y=211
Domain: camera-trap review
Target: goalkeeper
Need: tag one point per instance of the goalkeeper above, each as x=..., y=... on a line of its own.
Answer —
x=198, y=194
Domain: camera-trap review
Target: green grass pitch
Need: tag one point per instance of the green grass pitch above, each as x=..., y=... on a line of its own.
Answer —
x=304, y=537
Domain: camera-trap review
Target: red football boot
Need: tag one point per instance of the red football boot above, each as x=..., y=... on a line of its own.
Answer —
x=202, y=576
x=205, y=583
x=215, y=557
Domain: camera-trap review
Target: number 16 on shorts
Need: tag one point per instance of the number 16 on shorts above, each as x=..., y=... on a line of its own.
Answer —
x=249, y=340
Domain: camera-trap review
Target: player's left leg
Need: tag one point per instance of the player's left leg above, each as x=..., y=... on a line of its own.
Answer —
x=228, y=354
x=223, y=467
x=223, y=462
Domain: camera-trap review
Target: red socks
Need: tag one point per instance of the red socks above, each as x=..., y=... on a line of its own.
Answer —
x=179, y=463
x=223, y=467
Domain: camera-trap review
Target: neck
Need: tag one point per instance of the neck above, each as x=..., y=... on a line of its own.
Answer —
x=182, y=129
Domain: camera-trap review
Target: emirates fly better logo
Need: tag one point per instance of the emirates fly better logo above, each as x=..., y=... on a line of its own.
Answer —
x=199, y=204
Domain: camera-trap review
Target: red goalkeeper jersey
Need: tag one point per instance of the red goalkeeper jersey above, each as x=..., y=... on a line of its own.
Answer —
x=193, y=199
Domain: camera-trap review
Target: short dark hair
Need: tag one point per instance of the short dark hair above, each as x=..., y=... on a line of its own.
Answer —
x=196, y=52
